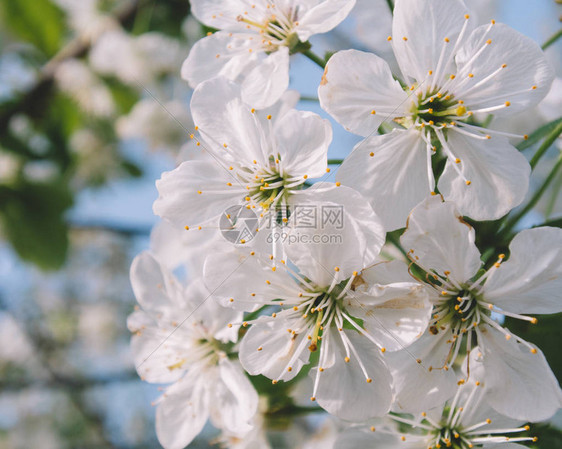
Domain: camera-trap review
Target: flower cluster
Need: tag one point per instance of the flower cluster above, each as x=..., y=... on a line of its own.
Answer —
x=372, y=294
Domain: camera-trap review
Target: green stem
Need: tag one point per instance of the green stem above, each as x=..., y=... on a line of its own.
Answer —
x=335, y=161
x=390, y=4
x=305, y=98
x=315, y=58
x=546, y=145
x=536, y=197
x=552, y=39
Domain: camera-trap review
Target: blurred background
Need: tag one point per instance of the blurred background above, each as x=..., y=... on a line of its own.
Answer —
x=91, y=103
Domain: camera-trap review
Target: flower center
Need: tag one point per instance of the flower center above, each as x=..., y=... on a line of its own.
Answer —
x=435, y=109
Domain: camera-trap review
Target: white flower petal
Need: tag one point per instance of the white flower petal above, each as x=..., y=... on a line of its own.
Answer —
x=439, y=240
x=525, y=67
x=343, y=390
x=394, y=179
x=519, y=383
x=268, y=80
x=422, y=385
x=280, y=349
x=395, y=315
x=425, y=25
x=356, y=84
x=531, y=280
x=196, y=192
x=322, y=17
x=235, y=401
x=219, y=13
x=182, y=413
x=243, y=282
x=498, y=175
x=154, y=361
x=218, y=55
x=352, y=232
x=302, y=140
x=224, y=119
x=155, y=288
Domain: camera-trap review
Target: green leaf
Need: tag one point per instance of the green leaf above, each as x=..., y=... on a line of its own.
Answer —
x=537, y=135
x=125, y=97
x=39, y=22
x=32, y=220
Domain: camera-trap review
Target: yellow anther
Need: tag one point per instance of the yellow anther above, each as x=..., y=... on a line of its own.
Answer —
x=338, y=184
x=372, y=428
x=404, y=38
x=242, y=241
x=369, y=380
x=229, y=184
x=328, y=170
x=504, y=66
x=433, y=193
x=452, y=77
x=534, y=87
x=383, y=349
x=444, y=293
x=199, y=192
x=457, y=160
x=430, y=72
x=273, y=382
x=290, y=368
x=527, y=428
x=269, y=117
x=305, y=176
x=534, y=320
x=245, y=324
x=346, y=360
x=336, y=268
x=371, y=154
x=389, y=38
x=231, y=299
x=312, y=398
x=533, y=350
x=252, y=110
x=489, y=41
x=186, y=228
x=471, y=75
x=191, y=136
x=446, y=39
x=461, y=110
x=493, y=22
x=466, y=16
x=468, y=182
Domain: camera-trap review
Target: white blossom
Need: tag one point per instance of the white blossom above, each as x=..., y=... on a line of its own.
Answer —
x=180, y=336
x=255, y=41
x=452, y=72
x=518, y=379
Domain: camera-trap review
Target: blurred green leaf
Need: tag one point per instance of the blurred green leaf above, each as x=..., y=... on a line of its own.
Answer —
x=39, y=22
x=32, y=219
x=548, y=437
x=537, y=135
x=125, y=97
x=131, y=169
